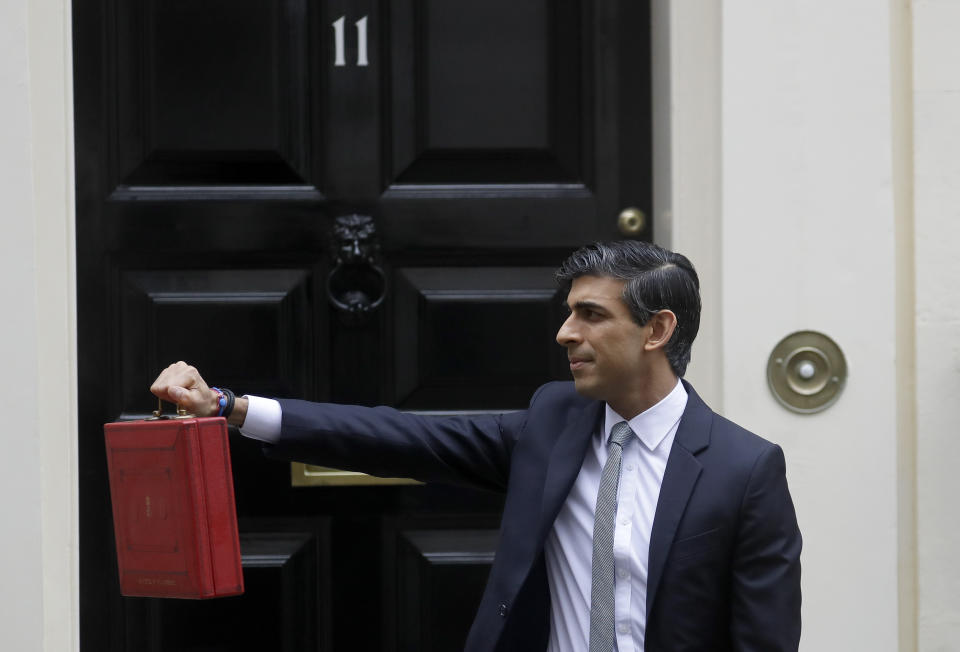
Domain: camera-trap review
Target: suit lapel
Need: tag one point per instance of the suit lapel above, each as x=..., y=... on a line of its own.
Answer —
x=679, y=479
x=566, y=458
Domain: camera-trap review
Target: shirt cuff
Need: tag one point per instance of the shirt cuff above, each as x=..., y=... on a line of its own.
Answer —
x=263, y=420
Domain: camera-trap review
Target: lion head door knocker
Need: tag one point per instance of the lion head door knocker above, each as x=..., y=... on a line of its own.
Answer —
x=357, y=285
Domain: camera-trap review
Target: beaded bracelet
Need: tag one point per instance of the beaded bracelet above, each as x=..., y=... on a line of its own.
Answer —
x=226, y=401
x=221, y=401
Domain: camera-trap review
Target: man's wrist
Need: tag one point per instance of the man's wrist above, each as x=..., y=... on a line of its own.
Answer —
x=239, y=413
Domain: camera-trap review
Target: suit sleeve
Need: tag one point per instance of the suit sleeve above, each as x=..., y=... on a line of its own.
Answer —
x=385, y=442
x=765, y=591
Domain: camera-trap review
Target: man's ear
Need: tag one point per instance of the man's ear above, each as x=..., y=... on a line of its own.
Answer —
x=660, y=329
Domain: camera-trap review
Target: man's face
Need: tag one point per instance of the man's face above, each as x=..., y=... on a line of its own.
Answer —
x=604, y=345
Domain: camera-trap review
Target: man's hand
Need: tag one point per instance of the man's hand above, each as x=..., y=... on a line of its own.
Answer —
x=182, y=384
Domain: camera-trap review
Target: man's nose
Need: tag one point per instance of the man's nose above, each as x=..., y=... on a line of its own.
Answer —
x=567, y=333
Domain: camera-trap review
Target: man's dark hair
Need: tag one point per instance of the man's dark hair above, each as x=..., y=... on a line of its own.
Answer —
x=657, y=279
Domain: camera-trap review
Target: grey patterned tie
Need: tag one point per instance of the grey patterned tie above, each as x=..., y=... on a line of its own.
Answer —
x=601, y=592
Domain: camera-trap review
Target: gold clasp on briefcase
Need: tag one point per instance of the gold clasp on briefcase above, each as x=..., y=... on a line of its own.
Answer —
x=158, y=413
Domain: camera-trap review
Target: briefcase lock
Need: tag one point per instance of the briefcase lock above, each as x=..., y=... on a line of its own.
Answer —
x=158, y=413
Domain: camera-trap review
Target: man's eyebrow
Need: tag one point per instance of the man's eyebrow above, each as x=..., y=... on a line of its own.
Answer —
x=586, y=305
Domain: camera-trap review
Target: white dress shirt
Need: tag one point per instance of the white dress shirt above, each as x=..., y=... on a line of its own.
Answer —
x=569, y=546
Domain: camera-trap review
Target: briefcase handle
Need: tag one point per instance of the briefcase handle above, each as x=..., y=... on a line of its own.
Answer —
x=158, y=413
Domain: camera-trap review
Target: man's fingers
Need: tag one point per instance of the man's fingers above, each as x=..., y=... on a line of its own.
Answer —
x=179, y=374
x=182, y=384
x=169, y=393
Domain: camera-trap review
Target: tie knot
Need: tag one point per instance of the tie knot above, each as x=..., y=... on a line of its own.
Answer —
x=620, y=433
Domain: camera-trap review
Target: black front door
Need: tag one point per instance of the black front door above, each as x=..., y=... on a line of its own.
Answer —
x=217, y=144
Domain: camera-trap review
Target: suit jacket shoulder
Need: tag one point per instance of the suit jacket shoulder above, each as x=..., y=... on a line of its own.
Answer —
x=712, y=437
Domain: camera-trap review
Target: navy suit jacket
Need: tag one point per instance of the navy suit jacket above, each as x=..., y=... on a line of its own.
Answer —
x=724, y=565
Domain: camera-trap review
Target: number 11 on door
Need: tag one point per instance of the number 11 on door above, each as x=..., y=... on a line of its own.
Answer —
x=340, y=59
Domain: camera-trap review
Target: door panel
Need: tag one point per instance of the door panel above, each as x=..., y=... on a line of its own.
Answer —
x=441, y=574
x=474, y=337
x=216, y=144
x=485, y=93
x=212, y=94
x=281, y=609
x=490, y=126
x=162, y=310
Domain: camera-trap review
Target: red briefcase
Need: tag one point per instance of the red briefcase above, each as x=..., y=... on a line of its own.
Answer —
x=174, y=513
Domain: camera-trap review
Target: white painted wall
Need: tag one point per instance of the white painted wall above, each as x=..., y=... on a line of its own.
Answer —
x=21, y=623
x=686, y=57
x=38, y=547
x=936, y=107
x=808, y=243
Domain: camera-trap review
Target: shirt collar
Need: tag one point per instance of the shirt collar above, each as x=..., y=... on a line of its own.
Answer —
x=653, y=424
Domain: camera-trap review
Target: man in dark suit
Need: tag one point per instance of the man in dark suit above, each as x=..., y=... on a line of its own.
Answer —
x=635, y=517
